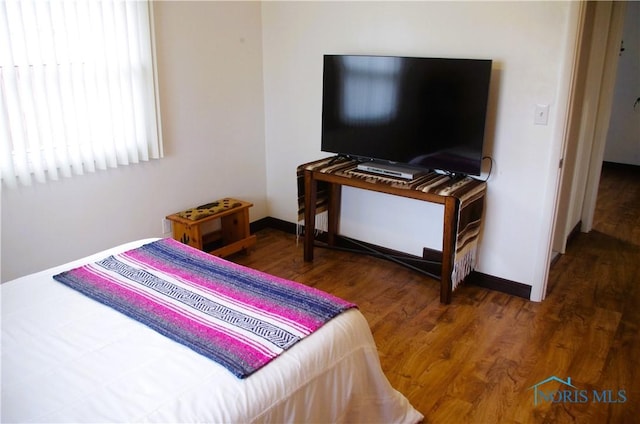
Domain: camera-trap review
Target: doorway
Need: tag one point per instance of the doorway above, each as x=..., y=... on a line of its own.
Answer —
x=589, y=112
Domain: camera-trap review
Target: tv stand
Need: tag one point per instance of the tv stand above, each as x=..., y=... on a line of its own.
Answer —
x=334, y=173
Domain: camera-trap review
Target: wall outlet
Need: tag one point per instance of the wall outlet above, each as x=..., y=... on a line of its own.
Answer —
x=166, y=226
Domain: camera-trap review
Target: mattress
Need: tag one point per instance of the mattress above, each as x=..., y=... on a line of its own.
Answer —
x=67, y=358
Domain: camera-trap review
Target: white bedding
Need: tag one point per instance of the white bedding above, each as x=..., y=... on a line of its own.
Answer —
x=67, y=358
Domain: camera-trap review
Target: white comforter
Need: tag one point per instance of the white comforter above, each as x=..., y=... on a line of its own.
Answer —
x=67, y=358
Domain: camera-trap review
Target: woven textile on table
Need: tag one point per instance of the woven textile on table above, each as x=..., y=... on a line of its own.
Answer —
x=209, y=209
x=469, y=192
x=322, y=198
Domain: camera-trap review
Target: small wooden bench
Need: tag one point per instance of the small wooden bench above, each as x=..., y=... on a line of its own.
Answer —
x=233, y=235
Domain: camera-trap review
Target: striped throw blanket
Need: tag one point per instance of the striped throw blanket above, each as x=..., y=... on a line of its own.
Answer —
x=469, y=192
x=236, y=316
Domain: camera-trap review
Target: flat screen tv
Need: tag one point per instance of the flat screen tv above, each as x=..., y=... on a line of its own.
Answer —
x=428, y=113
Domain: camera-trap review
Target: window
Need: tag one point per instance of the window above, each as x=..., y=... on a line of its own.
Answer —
x=77, y=88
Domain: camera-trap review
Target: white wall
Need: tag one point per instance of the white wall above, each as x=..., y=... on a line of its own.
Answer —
x=223, y=138
x=623, y=137
x=210, y=76
x=531, y=45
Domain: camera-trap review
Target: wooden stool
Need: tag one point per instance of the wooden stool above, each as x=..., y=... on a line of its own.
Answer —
x=233, y=235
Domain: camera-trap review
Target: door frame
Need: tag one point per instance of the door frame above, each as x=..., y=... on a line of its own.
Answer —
x=585, y=129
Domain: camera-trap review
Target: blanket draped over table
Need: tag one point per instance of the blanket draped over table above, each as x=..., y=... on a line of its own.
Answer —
x=239, y=317
x=470, y=193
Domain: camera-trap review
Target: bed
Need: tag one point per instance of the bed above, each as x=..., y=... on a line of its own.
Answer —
x=69, y=358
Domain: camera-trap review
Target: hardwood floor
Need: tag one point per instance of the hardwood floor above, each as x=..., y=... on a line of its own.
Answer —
x=477, y=359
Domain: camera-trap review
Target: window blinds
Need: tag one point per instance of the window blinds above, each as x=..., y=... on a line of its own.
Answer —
x=77, y=88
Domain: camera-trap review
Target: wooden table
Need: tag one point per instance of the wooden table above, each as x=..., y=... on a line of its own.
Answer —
x=336, y=182
x=233, y=235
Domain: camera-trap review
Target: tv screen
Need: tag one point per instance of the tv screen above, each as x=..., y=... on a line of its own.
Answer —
x=425, y=112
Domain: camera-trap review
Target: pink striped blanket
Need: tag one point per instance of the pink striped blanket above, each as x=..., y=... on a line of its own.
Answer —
x=236, y=316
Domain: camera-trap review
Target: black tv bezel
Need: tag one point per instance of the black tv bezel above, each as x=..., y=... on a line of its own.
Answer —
x=470, y=166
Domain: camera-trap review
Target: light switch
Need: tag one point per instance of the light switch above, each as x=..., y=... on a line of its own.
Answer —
x=542, y=115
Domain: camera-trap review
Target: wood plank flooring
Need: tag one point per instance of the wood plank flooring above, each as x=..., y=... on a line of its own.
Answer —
x=476, y=360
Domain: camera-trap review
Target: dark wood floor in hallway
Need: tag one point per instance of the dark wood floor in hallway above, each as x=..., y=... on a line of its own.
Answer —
x=477, y=359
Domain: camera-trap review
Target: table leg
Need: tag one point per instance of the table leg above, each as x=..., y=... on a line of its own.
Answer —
x=448, y=247
x=310, y=197
x=333, y=213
